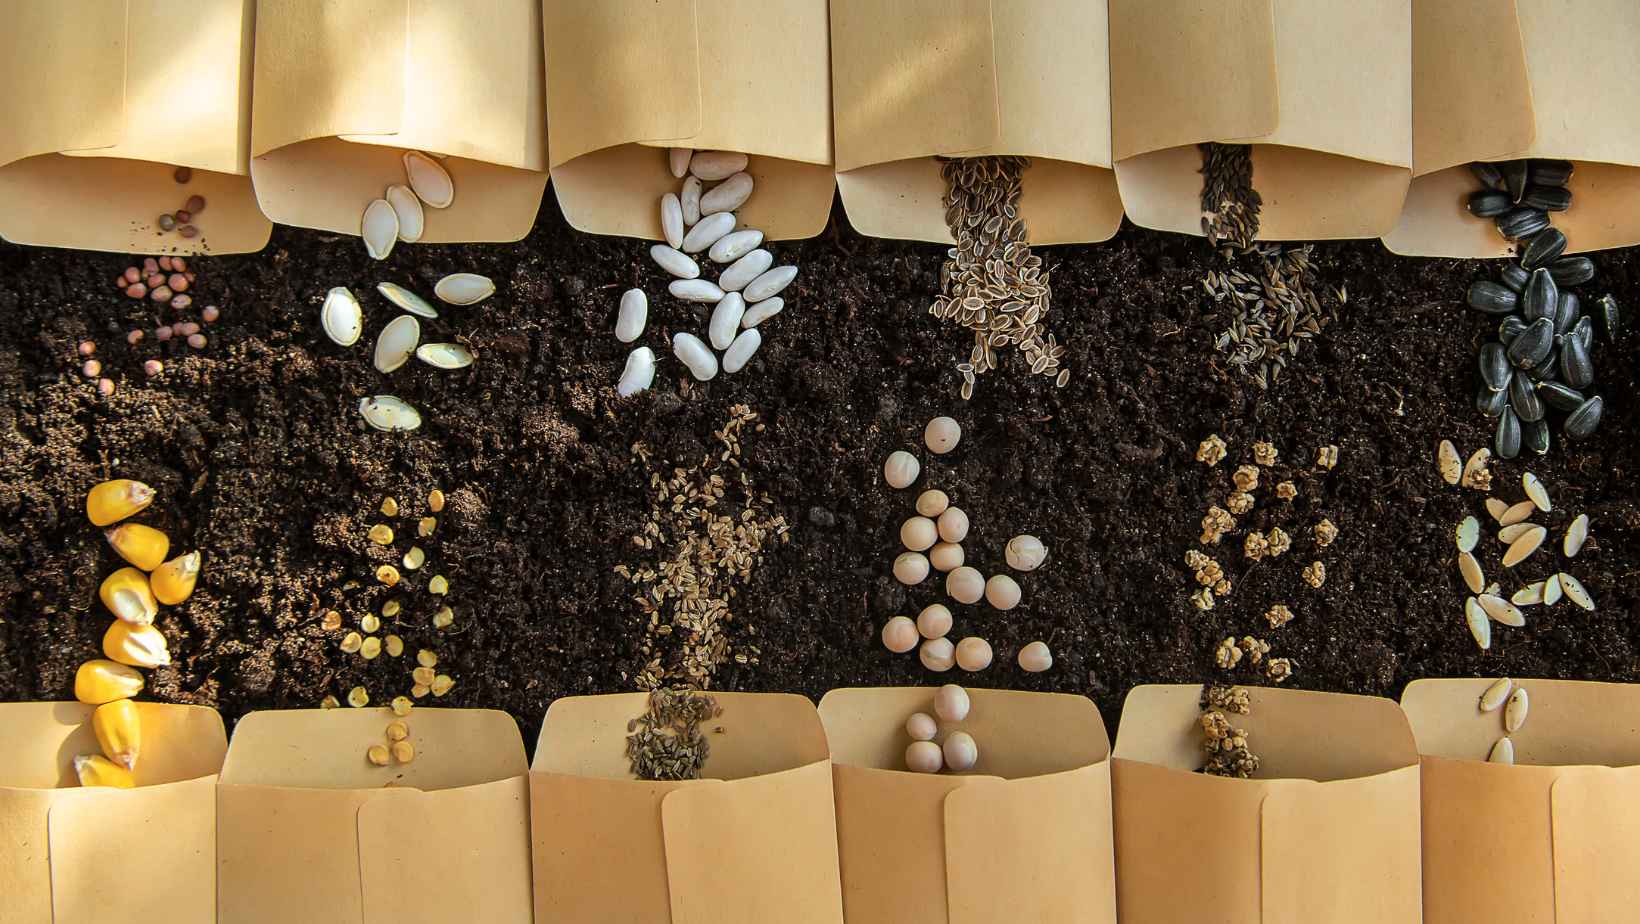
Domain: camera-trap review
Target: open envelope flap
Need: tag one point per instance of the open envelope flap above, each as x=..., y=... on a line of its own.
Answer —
x=754, y=850
x=1583, y=115
x=1435, y=220
x=1345, y=852
x=1488, y=842
x=1188, y=71
x=1570, y=721
x=1035, y=849
x=63, y=67
x=891, y=843
x=1471, y=99
x=1597, y=846
x=481, y=836
x=328, y=67
x=912, y=79
x=619, y=71
x=170, y=829
x=42, y=740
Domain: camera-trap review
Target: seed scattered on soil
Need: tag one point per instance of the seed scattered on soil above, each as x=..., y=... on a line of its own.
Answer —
x=1509, y=534
x=1239, y=502
x=1211, y=450
x=1035, y=657
x=1475, y=473
x=965, y=585
x=1576, y=535
x=938, y=654
x=942, y=435
x=1480, y=625
x=945, y=556
x=1286, y=490
x=960, y=751
x=414, y=558
x=381, y=534
x=1315, y=574
x=1496, y=508
x=442, y=684
x=352, y=642
x=1264, y=454
x=1203, y=599
x=924, y=757
x=1469, y=533
x=911, y=568
x=1216, y=524
x=371, y=648
x=1277, y=541
x=919, y=533
x=900, y=635
x=1470, y=568
x=1279, y=669
x=1246, y=477
x=1501, y=610
x=934, y=621
x=1278, y=616
x=666, y=742
x=1326, y=457
x=1025, y=553
x=901, y=469
x=1002, y=592
x=1255, y=546
x=953, y=525
x=1451, y=465
x=1517, y=513
x=1228, y=654
x=1523, y=547
x=393, y=645
x=1575, y=591
x=439, y=585
x=974, y=654
x=932, y=503
x=424, y=676
x=387, y=574
x=358, y=697
x=371, y=623
x=1535, y=491
x=401, y=706
x=426, y=658
x=443, y=618
x=331, y=621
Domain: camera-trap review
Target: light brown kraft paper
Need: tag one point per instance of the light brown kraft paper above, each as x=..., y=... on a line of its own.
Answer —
x=972, y=78
x=1552, y=837
x=107, y=194
x=297, y=839
x=975, y=846
x=756, y=841
x=1328, y=829
x=344, y=87
x=1335, y=160
x=46, y=834
x=1593, y=123
x=627, y=79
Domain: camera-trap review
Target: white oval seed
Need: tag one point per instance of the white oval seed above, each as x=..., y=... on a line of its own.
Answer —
x=1528, y=595
x=689, y=198
x=1502, y=610
x=900, y=635
x=633, y=315
x=741, y=351
x=464, y=288
x=1002, y=592
x=932, y=503
x=379, y=226
x=694, y=354
x=695, y=290
x=924, y=757
x=1451, y=465
x=921, y=727
x=733, y=246
x=341, y=317
x=770, y=283
x=1479, y=625
x=1575, y=591
x=1509, y=534
x=1524, y=546
x=385, y=412
x=960, y=751
x=1469, y=533
x=678, y=160
x=708, y=231
x=729, y=195
x=951, y=703
x=938, y=654
x=407, y=208
x=1576, y=535
x=1470, y=568
x=1035, y=657
x=1025, y=553
x=1496, y=508
x=901, y=469
x=934, y=621
x=942, y=435
x=1473, y=469
x=1517, y=513
x=429, y=179
x=717, y=165
x=639, y=373
x=742, y=273
x=672, y=220
x=406, y=299
x=445, y=355
x=1496, y=694
x=946, y=556
x=1514, y=715
x=1535, y=491
x=762, y=311
x=1502, y=753
x=918, y=533
x=965, y=585
x=675, y=261
x=725, y=320
x=911, y=568
x=1552, y=590
x=397, y=341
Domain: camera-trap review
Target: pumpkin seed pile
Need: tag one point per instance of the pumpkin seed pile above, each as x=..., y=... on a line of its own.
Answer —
x=1542, y=359
x=993, y=285
x=1226, y=745
x=666, y=743
x=688, y=593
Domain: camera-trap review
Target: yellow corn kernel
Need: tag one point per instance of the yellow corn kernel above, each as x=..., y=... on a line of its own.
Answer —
x=98, y=682
x=390, y=507
x=332, y=621
x=404, y=751
x=427, y=658
x=419, y=690
x=380, y=534
x=423, y=676
x=370, y=623
x=173, y=582
x=118, y=731
x=371, y=648
x=435, y=500
x=127, y=595
x=397, y=731
x=358, y=697
x=388, y=575
x=438, y=585
x=442, y=684
x=143, y=546
x=426, y=526
x=391, y=608
x=377, y=754
x=97, y=770
x=329, y=702
x=353, y=642
x=113, y=501
x=401, y=705
x=138, y=646
x=413, y=559
x=443, y=618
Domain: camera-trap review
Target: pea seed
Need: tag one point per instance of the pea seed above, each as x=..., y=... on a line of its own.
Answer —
x=1002, y=591
x=965, y=585
x=1035, y=657
x=934, y=621
x=918, y=533
x=1026, y=553
x=938, y=654
x=900, y=635
x=960, y=751
x=946, y=556
x=921, y=727
x=924, y=757
x=377, y=755
x=901, y=469
x=953, y=525
x=358, y=697
x=911, y=567
x=973, y=654
x=942, y=435
x=951, y=703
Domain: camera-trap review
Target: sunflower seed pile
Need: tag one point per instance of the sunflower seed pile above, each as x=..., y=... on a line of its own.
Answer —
x=666, y=743
x=992, y=283
x=687, y=594
x=1230, y=204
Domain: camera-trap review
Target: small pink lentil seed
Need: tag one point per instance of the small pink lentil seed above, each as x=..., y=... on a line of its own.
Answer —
x=162, y=333
x=160, y=294
x=132, y=274
x=91, y=369
x=197, y=341
x=150, y=266
x=178, y=282
x=182, y=301
x=186, y=329
x=136, y=290
x=188, y=231
x=154, y=280
x=134, y=337
x=210, y=313
x=165, y=264
x=87, y=348
x=153, y=367
x=179, y=265
x=105, y=386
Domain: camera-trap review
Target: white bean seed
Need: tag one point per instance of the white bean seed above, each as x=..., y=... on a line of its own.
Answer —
x=1025, y=553
x=965, y=585
x=973, y=654
x=934, y=621
x=695, y=290
x=951, y=703
x=946, y=556
x=672, y=219
x=770, y=283
x=678, y=160
x=762, y=311
x=901, y=469
x=733, y=246
x=918, y=533
x=1002, y=592
x=942, y=434
x=690, y=200
x=726, y=320
x=694, y=354
x=746, y=270
x=633, y=315
x=921, y=727
x=938, y=654
x=708, y=231
x=740, y=351
x=953, y=525
x=1035, y=657
x=960, y=751
x=639, y=373
x=932, y=503
x=900, y=635
x=924, y=757
x=911, y=567
x=675, y=261
x=717, y=165
x=729, y=195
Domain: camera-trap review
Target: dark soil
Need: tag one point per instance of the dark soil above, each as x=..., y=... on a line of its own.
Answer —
x=262, y=462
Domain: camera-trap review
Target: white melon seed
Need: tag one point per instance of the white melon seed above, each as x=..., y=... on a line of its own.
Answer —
x=429, y=179
x=341, y=317
x=1576, y=535
x=1470, y=568
x=1552, y=590
x=464, y=288
x=1479, y=625
x=407, y=208
x=1529, y=595
x=1469, y=533
x=1496, y=694
x=406, y=299
x=379, y=227
x=1514, y=715
x=1575, y=591
x=1517, y=513
x=397, y=341
x=1524, y=546
x=1502, y=610
x=1502, y=753
x=1535, y=491
x=385, y=412
x=1451, y=466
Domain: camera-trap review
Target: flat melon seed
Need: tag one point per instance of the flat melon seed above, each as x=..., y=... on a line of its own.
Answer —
x=1524, y=546
x=1514, y=715
x=1496, y=695
x=1528, y=595
x=1502, y=610
x=1552, y=590
x=1517, y=513
x=1469, y=533
x=1576, y=535
x=464, y=288
x=1479, y=626
x=407, y=207
x=1535, y=491
x=1474, y=471
x=1509, y=534
x=1496, y=508
x=1502, y=753
x=1451, y=465
x=385, y=412
x=445, y=355
x=406, y=299
x=1575, y=591
x=1471, y=571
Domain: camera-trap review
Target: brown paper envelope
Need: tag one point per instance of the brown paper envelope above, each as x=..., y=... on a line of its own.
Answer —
x=1579, y=118
x=753, y=850
x=1435, y=219
x=1489, y=851
x=1471, y=99
x=1343, y=852
x=891, y=843
x=912, y=79
x=25, y=855
x=1035, y=849
x=142, y=855
x=1187, y=71
x=63, y=67
x=1570, y=722
x=1597, y=846
x=480, y=836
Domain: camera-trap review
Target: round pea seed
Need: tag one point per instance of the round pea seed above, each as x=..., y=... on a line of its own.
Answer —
x=1002, y=591
x=973, y=654
x=900, y=635
x=953, y=525
x=942, y=434
x=934, y=621
x=924, y=757
x=1025, y=553
x=932, y=503
x=921, y=727
x=911, y=567
x=951, y=703
x=960, y=751
x=946, y=556
x=965, y=585
x=918, y=533
x=938, y=654
x=901, y=469
x=1035, y=657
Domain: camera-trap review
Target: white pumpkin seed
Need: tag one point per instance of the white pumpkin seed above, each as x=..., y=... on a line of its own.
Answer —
x=672, y=220
x=1479, y=626
x=1535, y=491
x=1517, y=513
x=1514, y=715
x=380, y=229
x=770, y=283
x=740, y=352
x=397, y=341
x=445, y=355
x=406, y=299
x=429, y=179
x=746, y=269
x=1471, y=571
x=341, y=317
x=1552, y=590
x=729, y=195
x=1502, y=753
x=1496, y=694
x=1496, y=508
x=725, y=321
x=732, y=247
x=696, y=355
x=1524, y=546
x=1530, y=594
x=1474, y=471
x=675, y=261
x=1493, y=589
x=717, y=165
x=634, y=314
x=678, y=160
x=689, y=198
x=695, y=290
x=1502, y=610
x=1451, y=466
x=708, y=231
x=1575, y=591
x=407, y=208
x=464, y=288
x=385, y=412
x=1469, y=533
x=762, y=311
x=639, y=373
x=1509, y=534
x=1576, y=535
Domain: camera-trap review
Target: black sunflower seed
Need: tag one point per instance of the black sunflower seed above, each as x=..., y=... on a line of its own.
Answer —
x=1545, y=247
x=1524, y=399
x=1487, y=173
x=1514, y=276
x=1569, y=312
x=1507, y=439
x=1559, y=396
x=1535, y=436
x=1518, y=223
x=1582, y=421
x=1611, y=319
x=1491, y=403
x=1545, y=198
x=1495, y=371
x=1488, y=203
x=1514, y=179
x=1493, y=297
x=1541, y=298
x=1576, y=368
x=1571, y=271
x=1533, y=344
x=1549, y=172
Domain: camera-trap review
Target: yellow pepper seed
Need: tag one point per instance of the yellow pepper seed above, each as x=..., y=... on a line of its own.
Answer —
x=394, y=645
x=381, y=534
x=173, y=582
x=438, y=585
x=414, y=558
x=118, y=731
x=398, y=731
x=401, y=705
x=352, y=642
x=98, y=682
x=419, y=690
x=443, y=618
x=388, y=575
x=390, y=507
x=427, y=658
x=426, y=526
x=370, y=623
x=332, y=621
x=97, y=770
x=423, y=676
x=329, y=702
x=358, y=697
x=435, y=500
x=127, y=595
x=442, y=684
x=372, y=647
x=138, y=646
x=113, y=501
x=377, y=755
x=404, y=751
x=143, y=546
x=390, y=609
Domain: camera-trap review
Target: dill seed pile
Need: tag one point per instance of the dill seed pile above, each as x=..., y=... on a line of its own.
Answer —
x=1230, y=204
x=666, y=743
x=707, y=545
x=992, y=284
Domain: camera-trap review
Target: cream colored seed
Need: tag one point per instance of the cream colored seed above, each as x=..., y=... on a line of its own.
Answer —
x=419, y=690
x=377, y=755
x=423, y=675
x=1509, y=534
x=404, y=752
x=371, y=623
x=1535, y=491
x=1035, y=657
x=390, y=507
x=394, y=645
x=426, y=658
x=1002, y=591
x=438, y=585
x=1502, y=753
x=414, y=558
x=1496, y=508
x=919, y=533
x=1552, y=590
x=358, y=697
x=1524, y=546
x=1502, y=610
x=401, y=705
x=426, y=526
x=388, y=575
x=942, y=435
x=435, y=501
x=1475, y=473
x=932, y=503
x=397, y=731
x=352, y=642
x=1528, y=595
x=381, y=534
x=1451, y=466
x=974, y=654
x=911, y=567
x=390, y=609
x=1496, y=695
x=1469, y=533
x=443, y=618
x=1470, y=568
x=1575, y=591
x=1514, y=715
x=900, y=635
x=1576, y=535
x=332, y=621
x=1517, y=513
x=901, y=469
x=442, y=684
x=1479, y=626
x=329, y=702
x=372, y=648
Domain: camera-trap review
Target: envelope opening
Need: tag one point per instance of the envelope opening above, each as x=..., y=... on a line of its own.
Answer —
x=1568, y=722
x=178, y=743
x=1435, y=220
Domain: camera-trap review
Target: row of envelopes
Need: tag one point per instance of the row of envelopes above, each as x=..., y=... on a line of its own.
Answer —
x=1361, y=113
x=808, y=817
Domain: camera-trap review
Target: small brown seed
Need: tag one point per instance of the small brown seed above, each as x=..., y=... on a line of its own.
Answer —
x=183, y=174
x=166, y=222
x=197, y=341
x=188, y=231
x=177, y=282
x=196, y=204
x=160, y=294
